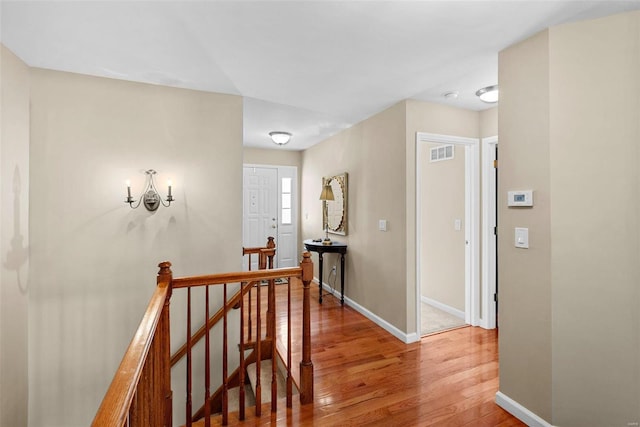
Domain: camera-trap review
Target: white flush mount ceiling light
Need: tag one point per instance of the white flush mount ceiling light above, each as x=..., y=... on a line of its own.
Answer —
x=451, y=95
x=279, y=137
x=488, y=94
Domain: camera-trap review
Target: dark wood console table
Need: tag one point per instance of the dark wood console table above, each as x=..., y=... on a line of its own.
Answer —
x=335, y=247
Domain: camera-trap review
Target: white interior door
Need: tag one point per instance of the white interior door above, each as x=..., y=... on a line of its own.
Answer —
x=260, y=208
x=270, y=195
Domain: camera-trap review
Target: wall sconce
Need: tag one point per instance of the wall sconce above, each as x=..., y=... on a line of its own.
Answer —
x=326, y=195
x=150, y=197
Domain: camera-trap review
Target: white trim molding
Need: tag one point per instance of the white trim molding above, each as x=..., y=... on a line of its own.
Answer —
x=402, y=336
x=488, y=281
x=519, y=411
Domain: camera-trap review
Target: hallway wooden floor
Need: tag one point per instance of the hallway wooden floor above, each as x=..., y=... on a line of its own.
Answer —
x=365, y=376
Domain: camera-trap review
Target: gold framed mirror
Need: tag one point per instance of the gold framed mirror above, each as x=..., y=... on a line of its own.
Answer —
x=335, y=216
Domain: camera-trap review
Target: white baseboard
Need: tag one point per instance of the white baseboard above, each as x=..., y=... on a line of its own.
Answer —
x=519, y=411
x=444, y=307
x=404, y=337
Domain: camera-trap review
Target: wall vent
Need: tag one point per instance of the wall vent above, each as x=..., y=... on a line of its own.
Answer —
x=442, y=152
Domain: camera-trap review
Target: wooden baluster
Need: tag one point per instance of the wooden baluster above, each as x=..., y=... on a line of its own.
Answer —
x=242, y=367
x=271, y=312
x=272, y=333
x=289, y=378
x=269, y=254
x=258, y=354
x=249, y=293
x=271, y=324
x=262, y=260
x=165, y=275
x=306, y=366
x=207, y=365
x=188, y=404
x=225, y=380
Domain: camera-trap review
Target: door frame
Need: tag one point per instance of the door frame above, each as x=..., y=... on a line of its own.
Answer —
x=489, y=257
x=295, y=218
x=472, y=220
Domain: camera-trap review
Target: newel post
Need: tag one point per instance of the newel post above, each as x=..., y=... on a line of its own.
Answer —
x=165, y=277
x=306, y=365
x=271, y=245
x=266, y=261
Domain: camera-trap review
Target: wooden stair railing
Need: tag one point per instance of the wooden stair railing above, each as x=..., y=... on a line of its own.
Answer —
x=266, y=255
x=140, y=393
x=246, y=280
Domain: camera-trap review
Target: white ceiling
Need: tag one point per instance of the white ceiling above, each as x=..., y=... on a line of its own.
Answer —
x=311, y=68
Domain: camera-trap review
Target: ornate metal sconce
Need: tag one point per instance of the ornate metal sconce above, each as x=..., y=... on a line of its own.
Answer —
x=150, y=197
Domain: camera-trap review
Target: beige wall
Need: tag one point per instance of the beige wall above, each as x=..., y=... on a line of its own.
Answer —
x=14, y=238
x=372, y=153
x=525, y=274
x=442, y=247
x=569, y=319
x=93, y=258
x=277, y=157
x=489, y=122
x=595, y=226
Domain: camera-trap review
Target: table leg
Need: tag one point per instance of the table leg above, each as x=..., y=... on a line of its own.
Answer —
x=342, y=279
x=320, y=274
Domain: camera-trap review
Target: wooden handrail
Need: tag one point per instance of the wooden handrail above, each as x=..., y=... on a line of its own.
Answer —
x=118, y=404
x=237, y=277
x=265, y=253
x=140, y=393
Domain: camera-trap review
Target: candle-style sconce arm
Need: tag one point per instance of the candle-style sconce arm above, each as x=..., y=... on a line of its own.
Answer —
x=150, y=197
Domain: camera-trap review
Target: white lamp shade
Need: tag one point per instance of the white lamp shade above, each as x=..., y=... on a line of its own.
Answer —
x=280, y=137
x=488, y=94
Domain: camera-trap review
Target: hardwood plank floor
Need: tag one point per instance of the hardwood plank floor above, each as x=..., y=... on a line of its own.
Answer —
x=365, y=376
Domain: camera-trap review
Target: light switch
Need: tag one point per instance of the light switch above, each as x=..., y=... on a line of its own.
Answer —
x=382, y=225
x=457, y=225
x=522, y=238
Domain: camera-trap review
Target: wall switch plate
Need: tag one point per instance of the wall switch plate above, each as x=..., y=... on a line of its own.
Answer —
x=522, y=238
x=382, y=225
x=457, y=225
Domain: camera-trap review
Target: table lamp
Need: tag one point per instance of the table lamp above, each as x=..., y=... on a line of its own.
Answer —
x=327, y=194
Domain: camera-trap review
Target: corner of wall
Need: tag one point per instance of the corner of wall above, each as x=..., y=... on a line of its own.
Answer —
x=14, y=242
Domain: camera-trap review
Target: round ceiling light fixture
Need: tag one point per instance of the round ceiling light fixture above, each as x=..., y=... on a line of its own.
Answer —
x=280, y=137
x=488, y=94
x=451, y=95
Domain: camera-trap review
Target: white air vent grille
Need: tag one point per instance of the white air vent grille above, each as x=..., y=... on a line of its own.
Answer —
x=442, y=152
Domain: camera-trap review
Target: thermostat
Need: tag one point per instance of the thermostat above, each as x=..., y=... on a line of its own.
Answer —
x=520, y=198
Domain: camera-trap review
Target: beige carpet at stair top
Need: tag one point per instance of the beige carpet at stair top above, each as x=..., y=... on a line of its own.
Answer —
x=435, y=320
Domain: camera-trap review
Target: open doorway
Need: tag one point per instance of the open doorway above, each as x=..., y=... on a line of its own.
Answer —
x=447, y=212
